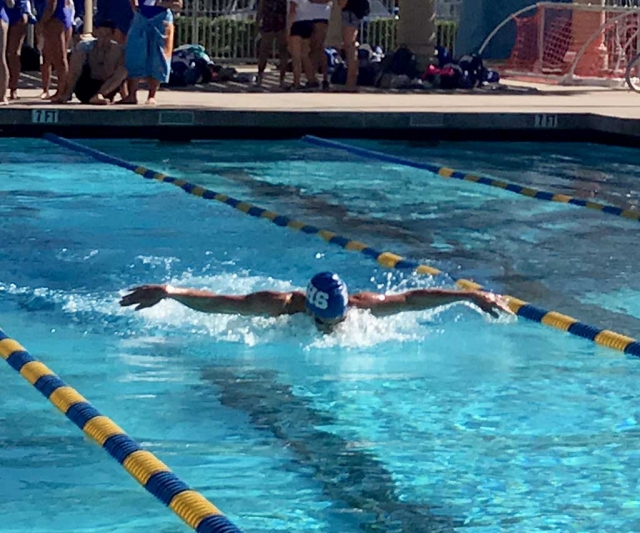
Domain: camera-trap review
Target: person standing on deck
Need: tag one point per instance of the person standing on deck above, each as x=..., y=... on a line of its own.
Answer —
x=149, y=46
x=271, y=19
x=4, y=70
x=20, y=15
x=118, y=11
x=56, y=25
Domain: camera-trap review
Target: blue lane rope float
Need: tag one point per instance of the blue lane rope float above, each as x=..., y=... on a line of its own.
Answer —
x=144, y=467
x=524, y=309
x=445, y=172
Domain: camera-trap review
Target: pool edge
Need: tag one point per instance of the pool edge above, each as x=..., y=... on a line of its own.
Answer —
x=183, y=124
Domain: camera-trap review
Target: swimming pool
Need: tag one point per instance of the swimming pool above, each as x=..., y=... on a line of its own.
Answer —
x=433, y=421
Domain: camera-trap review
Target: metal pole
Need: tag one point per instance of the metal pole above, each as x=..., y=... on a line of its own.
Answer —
x=88, y=16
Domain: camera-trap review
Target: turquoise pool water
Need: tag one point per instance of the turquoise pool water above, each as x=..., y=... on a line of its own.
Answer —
x=431, y=421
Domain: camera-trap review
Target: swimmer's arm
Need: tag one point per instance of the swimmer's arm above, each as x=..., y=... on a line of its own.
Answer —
x=420, y=299
x=265, y=303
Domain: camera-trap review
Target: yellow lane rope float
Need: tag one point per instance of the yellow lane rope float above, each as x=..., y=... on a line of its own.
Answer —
x=143, y=466
x=524, y=309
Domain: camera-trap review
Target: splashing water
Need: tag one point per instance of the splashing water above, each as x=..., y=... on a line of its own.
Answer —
x=360, y=329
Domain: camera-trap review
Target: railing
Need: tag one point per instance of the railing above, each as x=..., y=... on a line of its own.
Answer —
x=227, y=29
x=228, y=38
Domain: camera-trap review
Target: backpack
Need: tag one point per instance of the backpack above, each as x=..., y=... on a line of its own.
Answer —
x=29, y=59
x=360, y=8
x=404, y=62
x=473, y=66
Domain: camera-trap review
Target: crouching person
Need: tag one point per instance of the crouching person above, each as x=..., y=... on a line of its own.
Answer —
x=97, y=72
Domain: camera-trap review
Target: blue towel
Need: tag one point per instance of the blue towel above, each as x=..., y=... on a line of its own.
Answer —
x=149, y=47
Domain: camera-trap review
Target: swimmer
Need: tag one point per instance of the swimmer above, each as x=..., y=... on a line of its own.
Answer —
x=326, y=300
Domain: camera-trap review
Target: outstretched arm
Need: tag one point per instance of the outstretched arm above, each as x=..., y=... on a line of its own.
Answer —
x=76, y=64
x=419, y=299
x=265, y=303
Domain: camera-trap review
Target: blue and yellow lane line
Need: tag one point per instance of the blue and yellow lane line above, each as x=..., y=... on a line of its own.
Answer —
x=521, y=308
x=450, y=173
x=144, y=467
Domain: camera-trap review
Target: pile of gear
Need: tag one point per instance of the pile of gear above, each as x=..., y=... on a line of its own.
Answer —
x=191, y=65
x=399, y=70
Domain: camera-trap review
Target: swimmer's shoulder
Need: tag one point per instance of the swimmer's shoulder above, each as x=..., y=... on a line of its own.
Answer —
x=295, y=303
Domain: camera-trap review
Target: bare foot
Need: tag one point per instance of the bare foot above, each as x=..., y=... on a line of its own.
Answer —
x=4, y=101
x=129, y=100
x=13, y=94
x=151, y=102
x=60, y=99
x=98, y=99
x=44, y=95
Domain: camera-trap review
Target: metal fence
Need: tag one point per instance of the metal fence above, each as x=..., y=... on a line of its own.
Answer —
x=622, y=3
x=227, y=29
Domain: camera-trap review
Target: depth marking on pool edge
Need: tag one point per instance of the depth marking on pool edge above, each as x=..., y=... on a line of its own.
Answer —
x=445, y=172
x=521, y=308
x=156, y=477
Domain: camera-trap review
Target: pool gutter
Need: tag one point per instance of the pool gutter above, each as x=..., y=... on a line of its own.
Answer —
x=180, y=124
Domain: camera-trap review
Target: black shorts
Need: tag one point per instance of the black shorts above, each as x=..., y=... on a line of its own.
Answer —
x=302, y=29
x=87, y=87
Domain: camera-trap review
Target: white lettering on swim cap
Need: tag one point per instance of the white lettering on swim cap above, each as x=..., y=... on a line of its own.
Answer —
x=317, y=298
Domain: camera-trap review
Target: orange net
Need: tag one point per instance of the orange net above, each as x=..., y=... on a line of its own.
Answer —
x=586, y=43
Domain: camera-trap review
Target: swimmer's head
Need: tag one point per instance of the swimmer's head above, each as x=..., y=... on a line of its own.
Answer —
x=327, y=300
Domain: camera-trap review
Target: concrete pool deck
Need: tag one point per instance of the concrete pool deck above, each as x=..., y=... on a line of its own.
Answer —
x=522, y=111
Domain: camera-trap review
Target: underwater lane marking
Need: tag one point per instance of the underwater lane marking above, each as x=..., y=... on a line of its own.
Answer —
x=388, y=259
x=193, y=508
x=448, y=173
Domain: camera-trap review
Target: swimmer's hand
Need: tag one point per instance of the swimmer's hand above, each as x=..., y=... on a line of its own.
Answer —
x=145, y=296
x=490, y=303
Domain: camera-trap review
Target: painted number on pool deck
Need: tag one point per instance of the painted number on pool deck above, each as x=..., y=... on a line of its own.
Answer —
x=44, y=116
x=546, y=121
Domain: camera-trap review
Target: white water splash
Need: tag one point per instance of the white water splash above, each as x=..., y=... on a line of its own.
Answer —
x=360, y=329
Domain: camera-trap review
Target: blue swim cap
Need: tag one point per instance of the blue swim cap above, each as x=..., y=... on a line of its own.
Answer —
x=327, y=296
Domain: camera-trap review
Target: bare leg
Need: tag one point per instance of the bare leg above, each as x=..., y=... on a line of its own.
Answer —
x=4, y=69
x=132, y=98
x=318, y=57
x=266, y=45
x=283, y=53
x=15, y=38
x=45, y=73
x=295, y=49
x=56, y=41
x=307, y=64
x=349, y=35
x=153, y=89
